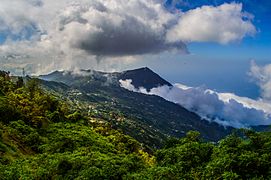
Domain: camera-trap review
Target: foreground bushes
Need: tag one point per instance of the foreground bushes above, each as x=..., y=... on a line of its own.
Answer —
x=68, y=151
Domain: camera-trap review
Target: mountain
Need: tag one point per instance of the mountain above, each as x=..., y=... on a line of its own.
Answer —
x=43, y=137
x=149, y=119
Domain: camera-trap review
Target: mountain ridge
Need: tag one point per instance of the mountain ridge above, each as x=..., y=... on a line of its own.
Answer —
x=141, y=77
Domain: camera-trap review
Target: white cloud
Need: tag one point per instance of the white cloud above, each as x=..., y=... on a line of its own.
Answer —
x=223, y=24
x=259, y=104
x=224, y=108
x=68, y=33
x=262, y=76
x=65, y=34
x=127, y=84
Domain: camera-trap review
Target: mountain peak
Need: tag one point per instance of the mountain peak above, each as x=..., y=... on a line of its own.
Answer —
x=144, y=77
x=142, y=69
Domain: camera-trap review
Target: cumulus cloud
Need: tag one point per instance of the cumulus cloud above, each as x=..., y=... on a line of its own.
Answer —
x=262, y=76
x=67, y=33
x=11, y=19
x=118, y=28
x=223, y=24
x=223, y=108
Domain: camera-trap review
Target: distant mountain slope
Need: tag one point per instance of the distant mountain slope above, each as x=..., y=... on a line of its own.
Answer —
x=150, y=119
x=262, y=128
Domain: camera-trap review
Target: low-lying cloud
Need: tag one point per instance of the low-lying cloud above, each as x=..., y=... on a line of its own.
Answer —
x=67, y=33
x=224, y=108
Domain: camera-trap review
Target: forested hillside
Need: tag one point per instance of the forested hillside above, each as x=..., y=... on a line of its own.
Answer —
x=44, y=137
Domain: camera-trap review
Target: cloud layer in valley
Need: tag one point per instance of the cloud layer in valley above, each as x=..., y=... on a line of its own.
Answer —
x=224, y=108
x=65, y=34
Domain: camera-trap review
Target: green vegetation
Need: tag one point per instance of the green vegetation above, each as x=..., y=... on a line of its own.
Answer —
x=42, y=137
x=232, y=158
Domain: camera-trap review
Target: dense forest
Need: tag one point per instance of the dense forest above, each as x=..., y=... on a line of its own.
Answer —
x=43, y=137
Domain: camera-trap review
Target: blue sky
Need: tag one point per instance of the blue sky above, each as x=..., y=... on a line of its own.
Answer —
x=256, y=47
x=226, y=67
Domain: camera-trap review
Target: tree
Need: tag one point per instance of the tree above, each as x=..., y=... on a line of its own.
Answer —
x=19, y=82
x=33, y=87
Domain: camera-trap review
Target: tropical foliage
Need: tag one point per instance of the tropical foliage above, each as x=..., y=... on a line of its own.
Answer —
x=42, y=137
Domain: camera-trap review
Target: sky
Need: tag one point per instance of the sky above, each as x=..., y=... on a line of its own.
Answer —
x=220, y=45
x=223, y=67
